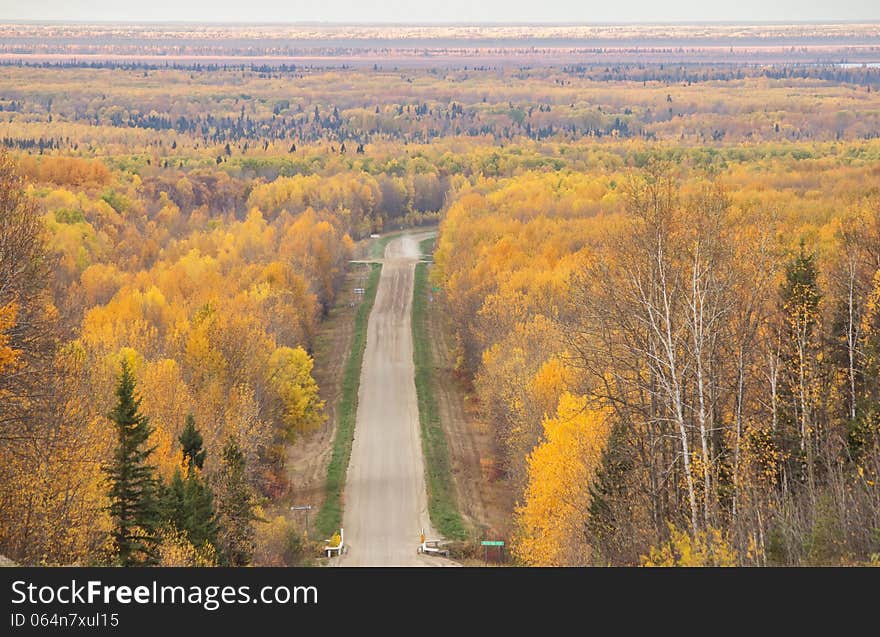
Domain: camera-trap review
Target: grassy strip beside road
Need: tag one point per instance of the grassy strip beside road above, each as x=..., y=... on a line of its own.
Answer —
x=426, y=248
x=330, y=516
x=377, y=247
x=442, y=506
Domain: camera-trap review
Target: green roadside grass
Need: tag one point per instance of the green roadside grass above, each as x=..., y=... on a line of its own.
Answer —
x=377, y=248
x=329, y=517
x=442, y=506
x=426, y=247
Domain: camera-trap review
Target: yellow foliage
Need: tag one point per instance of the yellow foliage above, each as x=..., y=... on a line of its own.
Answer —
x=708, y=548
x=166, y=456
x=518, y=386
x=277, y=541
x=8, y=355
x=561, y=469
x=290, y=372
x=165, y=394
x=176, y=550
x=550, y=381
x=218, y=312
x=53, y=498
x=100, y=282
x=65, y=170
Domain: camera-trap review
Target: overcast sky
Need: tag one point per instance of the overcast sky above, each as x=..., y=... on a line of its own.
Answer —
x=426, y=11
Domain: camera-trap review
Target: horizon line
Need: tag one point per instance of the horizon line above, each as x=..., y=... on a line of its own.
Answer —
x=443, y=23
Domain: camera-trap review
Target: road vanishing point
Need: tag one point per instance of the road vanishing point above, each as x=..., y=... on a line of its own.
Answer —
x=385, y=500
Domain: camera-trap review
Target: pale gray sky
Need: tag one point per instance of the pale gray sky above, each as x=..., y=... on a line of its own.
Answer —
x=426, y=11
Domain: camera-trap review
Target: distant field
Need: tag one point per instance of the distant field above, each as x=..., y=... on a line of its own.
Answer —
x=455, y=45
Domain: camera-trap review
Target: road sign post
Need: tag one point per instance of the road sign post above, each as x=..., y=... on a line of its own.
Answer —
x=487, y=543
x=306, y=508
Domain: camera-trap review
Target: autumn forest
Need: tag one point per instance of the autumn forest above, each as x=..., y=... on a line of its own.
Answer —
x=653, y=299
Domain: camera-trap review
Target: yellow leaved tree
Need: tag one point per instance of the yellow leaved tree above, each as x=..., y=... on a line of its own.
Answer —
x=291, y=376
x=708, y=548
x=550, y=523
x=8, y=355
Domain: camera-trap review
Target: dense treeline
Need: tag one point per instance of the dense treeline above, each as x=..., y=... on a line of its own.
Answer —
x=214, y=316
x=690, y=74
x=662, y=287
x=677, y=365
x=851, y=73
x=250, y=112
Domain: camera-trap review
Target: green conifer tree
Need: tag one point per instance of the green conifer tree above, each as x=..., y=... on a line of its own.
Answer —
x=235, y=508
x=133, y=485
x=191, y=441
x=187, y=501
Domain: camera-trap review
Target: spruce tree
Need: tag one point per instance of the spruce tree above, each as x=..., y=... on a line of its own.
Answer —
x=191, y=442
x=187, y=501
x=171, y=498
x=201, y=518
x=133, y=484
x=235, y=508
x=608, y=497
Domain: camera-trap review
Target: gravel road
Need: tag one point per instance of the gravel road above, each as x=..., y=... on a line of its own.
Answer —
x=385, y=500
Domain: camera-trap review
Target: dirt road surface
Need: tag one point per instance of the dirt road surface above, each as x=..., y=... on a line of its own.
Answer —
x=385, y=500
